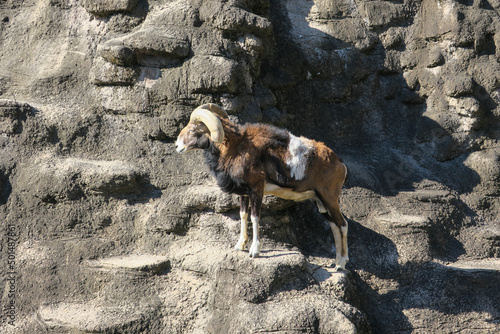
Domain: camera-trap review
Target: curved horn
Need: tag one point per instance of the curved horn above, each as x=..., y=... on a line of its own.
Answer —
x=212, y=122
x=215, y=109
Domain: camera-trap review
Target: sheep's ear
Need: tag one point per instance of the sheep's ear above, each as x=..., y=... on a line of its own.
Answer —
x=211, y=121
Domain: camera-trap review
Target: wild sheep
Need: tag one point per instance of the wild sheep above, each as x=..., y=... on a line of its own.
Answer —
x=257, y=159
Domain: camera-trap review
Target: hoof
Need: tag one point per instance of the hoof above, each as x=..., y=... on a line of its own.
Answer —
x=255, y=250
x=241, y=245
x=239, y=248
x=254, y=255
x=339, y=268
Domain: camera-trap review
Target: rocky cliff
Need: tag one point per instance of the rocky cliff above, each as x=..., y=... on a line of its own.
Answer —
x=106, y=229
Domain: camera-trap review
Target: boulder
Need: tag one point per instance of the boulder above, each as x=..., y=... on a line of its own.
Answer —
x=53, y=179
x=151, y=41
x=233, y=19
x=174, y=13
x=89, y=317
x=457, y=86
x=230, y=78
x=410, y=234
x=487, y=165
x=104, y=7
x=104, y=73
x=239, y=289
x=115, y=52
x=381, y=13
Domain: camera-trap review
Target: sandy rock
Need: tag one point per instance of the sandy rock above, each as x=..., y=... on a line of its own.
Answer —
x=230, y=18
x=381, y=13
x=12, y=114
x=103, y=7
x=459, y=86
x=437, y=20
x=169, y=43
x=174, y=13
x=324, y=9
x=276, y=270
x=201, y=79
x=115, y=52
x=209, y=42
x=155, y=264
x=487, y=165
x=436, y=58
x=104, y=73
x=201, y=197
x=279, y=271
x=392, y=38
x=124, y=99
x=311, y=314
x=53, y=179
x=410, y=233
x=89, y=317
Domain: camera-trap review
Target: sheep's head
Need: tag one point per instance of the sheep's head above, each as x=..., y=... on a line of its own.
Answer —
x=204, y=125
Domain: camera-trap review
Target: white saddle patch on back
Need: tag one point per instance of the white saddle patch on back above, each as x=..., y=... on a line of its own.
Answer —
x=298, y=150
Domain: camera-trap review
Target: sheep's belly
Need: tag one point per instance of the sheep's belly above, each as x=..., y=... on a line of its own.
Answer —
x=287, y=193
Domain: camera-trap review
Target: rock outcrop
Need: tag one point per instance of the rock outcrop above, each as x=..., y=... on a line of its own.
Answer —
x=106, y=229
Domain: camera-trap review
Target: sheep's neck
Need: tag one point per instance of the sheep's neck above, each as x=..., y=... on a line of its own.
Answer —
x=219, y=158
x=232, y=138
x=218, y=152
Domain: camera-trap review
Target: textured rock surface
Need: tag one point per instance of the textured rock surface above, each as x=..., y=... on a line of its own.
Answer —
x=106, y=229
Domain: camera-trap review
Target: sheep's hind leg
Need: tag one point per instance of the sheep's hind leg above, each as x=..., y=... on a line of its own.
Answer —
x=339, y=228
x=337, y=236
x=345, y=255
x=243, y=241
x=341, y=250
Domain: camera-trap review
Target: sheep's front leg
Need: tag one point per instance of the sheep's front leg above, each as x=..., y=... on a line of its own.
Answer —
x=255, y=203
x=242, y=242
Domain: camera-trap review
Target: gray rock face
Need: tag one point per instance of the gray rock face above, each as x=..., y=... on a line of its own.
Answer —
x=106, y=229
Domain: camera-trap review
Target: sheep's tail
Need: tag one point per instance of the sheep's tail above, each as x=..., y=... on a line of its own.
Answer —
x=346, y=179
